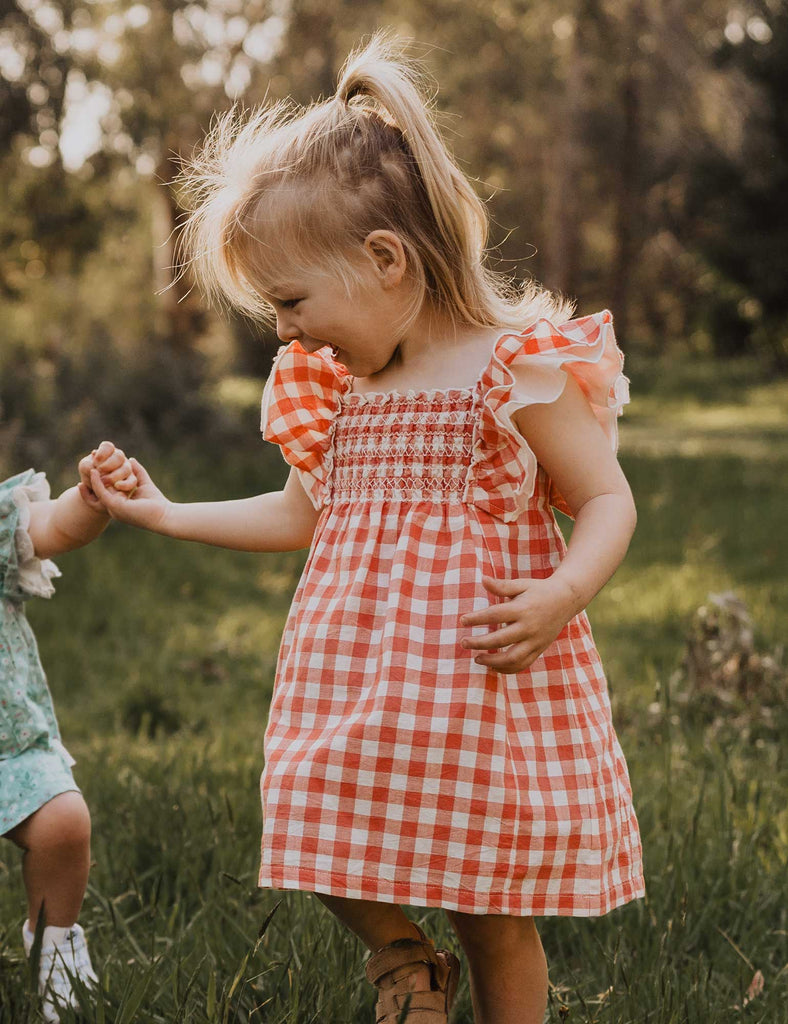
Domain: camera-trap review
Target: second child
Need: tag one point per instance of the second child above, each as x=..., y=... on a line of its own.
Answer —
x=41, y=808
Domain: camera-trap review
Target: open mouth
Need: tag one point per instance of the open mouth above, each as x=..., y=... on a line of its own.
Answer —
x=334, y=351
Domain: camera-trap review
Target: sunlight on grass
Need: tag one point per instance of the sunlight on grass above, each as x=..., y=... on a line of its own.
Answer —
x=754, y=425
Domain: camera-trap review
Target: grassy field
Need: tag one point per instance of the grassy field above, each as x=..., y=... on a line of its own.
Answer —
x=161, y=660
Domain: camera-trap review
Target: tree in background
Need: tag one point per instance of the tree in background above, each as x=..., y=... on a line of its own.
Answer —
x=634, y=153
x=737, y=200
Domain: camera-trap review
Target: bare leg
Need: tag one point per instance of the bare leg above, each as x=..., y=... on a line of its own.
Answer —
x=56, y=841
x=376, y=924
x=507, y=965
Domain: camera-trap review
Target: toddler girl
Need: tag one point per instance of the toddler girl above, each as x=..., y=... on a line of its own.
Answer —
x=41, y=808
x=440, y=732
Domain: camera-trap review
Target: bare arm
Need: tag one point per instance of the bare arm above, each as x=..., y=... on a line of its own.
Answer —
x=571, y=446
x=278, y=521
x=64, y=524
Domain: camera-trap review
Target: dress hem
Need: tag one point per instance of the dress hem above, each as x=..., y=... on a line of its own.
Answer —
x=42, y=797
x=533, y=905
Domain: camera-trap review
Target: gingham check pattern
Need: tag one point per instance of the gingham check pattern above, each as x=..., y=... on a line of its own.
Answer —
x=397, y=769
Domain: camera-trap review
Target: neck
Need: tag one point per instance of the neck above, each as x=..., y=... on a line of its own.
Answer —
x=433, y=330
x=436, y=352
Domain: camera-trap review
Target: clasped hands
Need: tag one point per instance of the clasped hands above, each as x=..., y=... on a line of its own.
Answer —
x=111, y=464
x=120, y=487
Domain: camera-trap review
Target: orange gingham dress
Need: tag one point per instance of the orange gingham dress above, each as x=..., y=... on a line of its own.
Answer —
x=397, y=769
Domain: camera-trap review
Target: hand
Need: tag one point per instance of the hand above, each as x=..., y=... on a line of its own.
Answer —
x=534, y=614
x=143, y=506
x=115, y=469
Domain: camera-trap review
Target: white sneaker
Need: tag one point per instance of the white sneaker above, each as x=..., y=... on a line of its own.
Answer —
x=64, y=957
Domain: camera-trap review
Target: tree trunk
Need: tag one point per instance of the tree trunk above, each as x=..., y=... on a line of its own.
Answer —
x=182, y=313
x=627, y=197
x=564, y=166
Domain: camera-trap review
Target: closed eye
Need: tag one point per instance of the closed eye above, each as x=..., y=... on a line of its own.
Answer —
x=289, y=303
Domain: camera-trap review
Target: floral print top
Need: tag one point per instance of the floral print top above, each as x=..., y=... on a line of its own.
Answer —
x=27, y=717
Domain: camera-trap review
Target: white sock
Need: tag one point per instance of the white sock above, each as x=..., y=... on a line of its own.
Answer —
x=53, y=935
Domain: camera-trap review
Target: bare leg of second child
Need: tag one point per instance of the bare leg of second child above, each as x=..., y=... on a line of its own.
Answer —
x=507, y=967
x=56, y=844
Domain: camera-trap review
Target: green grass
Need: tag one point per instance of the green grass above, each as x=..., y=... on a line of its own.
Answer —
x=161, y=659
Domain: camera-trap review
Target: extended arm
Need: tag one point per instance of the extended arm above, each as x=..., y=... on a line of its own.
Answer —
x=278, y=521
x=571, y=446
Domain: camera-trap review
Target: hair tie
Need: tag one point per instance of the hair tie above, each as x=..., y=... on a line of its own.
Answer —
x=351, y=93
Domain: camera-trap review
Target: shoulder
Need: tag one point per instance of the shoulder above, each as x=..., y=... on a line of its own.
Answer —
x=301, y=399
x=302, y=391
x=22, y=573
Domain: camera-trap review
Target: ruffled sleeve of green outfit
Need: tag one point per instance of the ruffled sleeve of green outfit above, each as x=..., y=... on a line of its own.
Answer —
x=34, y=765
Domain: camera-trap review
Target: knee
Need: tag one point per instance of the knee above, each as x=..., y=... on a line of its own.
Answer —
x=62, y=824
x=479, y=934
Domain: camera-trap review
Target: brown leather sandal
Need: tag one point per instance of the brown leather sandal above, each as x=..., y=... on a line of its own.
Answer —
x=401, y=959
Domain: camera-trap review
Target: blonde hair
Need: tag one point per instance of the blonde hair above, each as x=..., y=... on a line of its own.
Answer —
x=306, y=186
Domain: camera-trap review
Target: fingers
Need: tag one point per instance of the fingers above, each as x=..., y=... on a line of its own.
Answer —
x=128, y=483
x=140, y=472
x=512, y=643
x=114, y=467
x=89, y=498
x=514, y=659
x=496, y=614
x=504, y=588
x=493, y=615
x=104, y=451
x=108, y=459
x=106, y=494
x=495, y=638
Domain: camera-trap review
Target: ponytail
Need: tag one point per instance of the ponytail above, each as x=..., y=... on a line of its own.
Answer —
x=377, y=73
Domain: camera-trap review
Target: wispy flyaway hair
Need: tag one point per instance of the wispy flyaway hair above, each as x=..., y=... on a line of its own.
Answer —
x=291, y=187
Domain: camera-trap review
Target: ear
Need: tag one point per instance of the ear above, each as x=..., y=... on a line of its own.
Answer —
x=387, y=253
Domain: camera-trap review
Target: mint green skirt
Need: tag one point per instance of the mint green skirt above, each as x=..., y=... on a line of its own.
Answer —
x=30, y=779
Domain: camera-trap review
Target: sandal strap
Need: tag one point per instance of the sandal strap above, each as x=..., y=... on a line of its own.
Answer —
x=400, y=953
x=399, y=961
x=393, y=1002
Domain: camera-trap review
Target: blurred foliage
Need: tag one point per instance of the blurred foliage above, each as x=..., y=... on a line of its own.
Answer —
x=634, y=154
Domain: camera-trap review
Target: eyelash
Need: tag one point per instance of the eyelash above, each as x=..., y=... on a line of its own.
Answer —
x=290, y=303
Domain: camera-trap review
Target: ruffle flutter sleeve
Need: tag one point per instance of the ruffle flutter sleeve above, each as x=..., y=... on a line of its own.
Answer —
x=531, y=368
x=301, y=399
x=22, y=573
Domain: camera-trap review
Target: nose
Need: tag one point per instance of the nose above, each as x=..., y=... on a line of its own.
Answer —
x=285, y=329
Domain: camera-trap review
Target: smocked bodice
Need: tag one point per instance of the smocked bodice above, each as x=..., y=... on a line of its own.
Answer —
x=455, y=445
x=403, y=447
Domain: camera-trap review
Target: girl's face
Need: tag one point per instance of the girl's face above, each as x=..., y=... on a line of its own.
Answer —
x=315, y=308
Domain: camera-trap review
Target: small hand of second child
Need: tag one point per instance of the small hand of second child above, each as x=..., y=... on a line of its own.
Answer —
x=114, y=468
x=523, y=626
